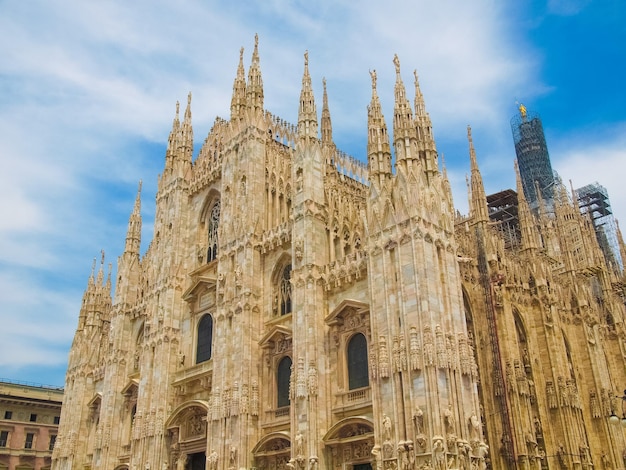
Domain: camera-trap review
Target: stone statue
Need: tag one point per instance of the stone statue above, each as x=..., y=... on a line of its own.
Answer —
x=418, y=420
x=474, y=426
x=373, y=75
x=181, y=463
x=212, y=460
x=387, y=427
x=233, y=457
x=448, y=419
x=439, y=454
x=299, y=444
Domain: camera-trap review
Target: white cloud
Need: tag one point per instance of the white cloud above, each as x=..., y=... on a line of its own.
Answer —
x=88, y=92
x=603, y=160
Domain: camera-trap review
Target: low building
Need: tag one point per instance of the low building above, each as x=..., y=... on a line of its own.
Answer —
x=29, y=421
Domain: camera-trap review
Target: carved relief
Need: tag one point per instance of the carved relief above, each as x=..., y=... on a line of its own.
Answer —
x=415, y=350
x=301, y=379
x=383, y=358
x=312, y=379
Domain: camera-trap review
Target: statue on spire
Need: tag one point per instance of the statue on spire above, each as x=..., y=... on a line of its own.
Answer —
x=306, y=58
x=522, y=110
x=373, y=75
x=396, y=62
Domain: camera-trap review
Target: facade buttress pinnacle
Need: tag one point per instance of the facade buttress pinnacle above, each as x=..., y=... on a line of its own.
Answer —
x=424, y=130
x=404, y=131
x=172, y=141
x=238, y=101
x=307, y=113
x=327, y=127
x=526, y=219
x=186, y=134
x=446, y=183
x=254, y=88
x=478, y=198
x=133, y=235
x=378, y=149
x=622, y=246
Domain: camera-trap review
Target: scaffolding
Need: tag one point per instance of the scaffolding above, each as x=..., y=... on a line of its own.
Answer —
x=593, y=200
x=503, y=207
x=532, y=156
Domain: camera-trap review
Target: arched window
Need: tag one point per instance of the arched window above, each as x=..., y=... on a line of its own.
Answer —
x=285, y=291
x=283, y=377
x=205, y=339
x=214, y=222
x=357, y=362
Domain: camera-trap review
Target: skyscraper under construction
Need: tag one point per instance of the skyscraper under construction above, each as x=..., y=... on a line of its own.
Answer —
x=532, y=156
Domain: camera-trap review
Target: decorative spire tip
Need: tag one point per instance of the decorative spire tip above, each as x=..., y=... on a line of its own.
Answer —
x=373, y=75
x=396, y=62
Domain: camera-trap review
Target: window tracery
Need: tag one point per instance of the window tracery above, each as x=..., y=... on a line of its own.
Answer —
x=283, y=380
x=282, y=296
x=213, y=226
x=357, y=362
x=205, y=339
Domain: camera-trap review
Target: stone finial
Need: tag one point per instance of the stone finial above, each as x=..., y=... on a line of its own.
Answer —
x=396, y=62
x=373, y=75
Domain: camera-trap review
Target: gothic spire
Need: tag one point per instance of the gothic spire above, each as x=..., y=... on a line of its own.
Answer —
x=403, y=126
x=478, y=199
x=186, y=133
x=307, y=114
x=100, y=279
x=133, y=235
x=621, y=245
x=424, y=129
x=172, y=141
x=238, y=101
x=327, y=127
x=446, y=182
x=378, y=149
x=254, y=88
x=526, y=219
x=88, y=297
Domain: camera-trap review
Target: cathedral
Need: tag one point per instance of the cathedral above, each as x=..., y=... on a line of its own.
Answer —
x=297, y=309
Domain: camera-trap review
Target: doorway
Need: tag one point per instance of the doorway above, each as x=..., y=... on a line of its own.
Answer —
x=197, y=461
x=362, y=466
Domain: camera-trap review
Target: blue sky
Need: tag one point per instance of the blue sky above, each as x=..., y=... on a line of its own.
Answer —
x=88, y=92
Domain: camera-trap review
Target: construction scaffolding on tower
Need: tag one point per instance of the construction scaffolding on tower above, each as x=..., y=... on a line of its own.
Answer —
x=503, y=207
x=593, y=200
x=533, y=158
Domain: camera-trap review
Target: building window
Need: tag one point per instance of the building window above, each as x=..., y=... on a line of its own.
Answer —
x=28, y=444
x=357, y=362
x=4, y=438
x=283, y=377
x=214, y=222
x=53, y=439
x=205, y=339
x=57, y=419
x=33, y=417
x=285, y=291
x=8, y=414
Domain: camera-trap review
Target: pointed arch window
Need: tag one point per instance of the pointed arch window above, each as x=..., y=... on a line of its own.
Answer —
x=285, y=291
x=205, y=339
x=357, y=362
x=214, y=221
x=283, y=378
